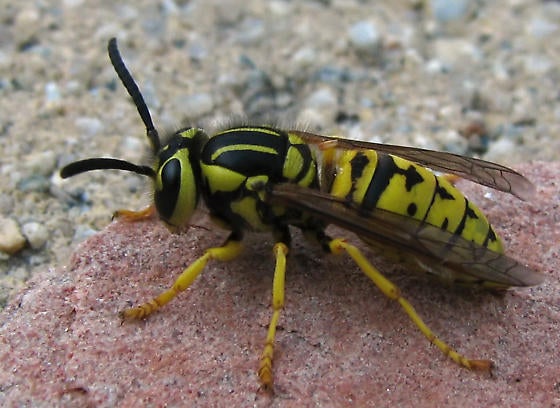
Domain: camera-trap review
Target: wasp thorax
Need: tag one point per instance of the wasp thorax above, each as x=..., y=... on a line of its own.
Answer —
x=177, y=174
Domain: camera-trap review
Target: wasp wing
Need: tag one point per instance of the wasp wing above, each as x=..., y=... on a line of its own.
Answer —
x=442, y=253
x=480, y=171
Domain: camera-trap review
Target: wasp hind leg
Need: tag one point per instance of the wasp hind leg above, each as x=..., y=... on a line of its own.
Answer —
x=231, y=249
x=280, y=249
x=389, y=289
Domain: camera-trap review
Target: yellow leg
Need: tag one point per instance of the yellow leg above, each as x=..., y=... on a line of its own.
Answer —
x=390, y=290
x=131, y=216
x=230, y=250
x=265, y=368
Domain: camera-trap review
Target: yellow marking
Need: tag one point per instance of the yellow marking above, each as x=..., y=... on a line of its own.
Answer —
x=227, y=252
x=251, y=129
x=295, y=139
x=265, y=368
x=342, y=183
x=292, y=163
x=246, y=208
x=221, y=179
x=241, y=147
x=389, y=289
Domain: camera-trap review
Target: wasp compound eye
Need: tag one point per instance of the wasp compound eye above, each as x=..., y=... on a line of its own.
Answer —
x=167, y=195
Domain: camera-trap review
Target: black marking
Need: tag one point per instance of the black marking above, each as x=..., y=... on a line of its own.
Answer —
x=443, y=193
x=412, y=177
x=357, y=166
x=445, y=224
x=386, y=169
x=468, y=213
x=491, y=236
x=433, y=199
x=411, y=210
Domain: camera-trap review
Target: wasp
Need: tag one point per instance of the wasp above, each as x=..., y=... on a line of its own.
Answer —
x=265, y=179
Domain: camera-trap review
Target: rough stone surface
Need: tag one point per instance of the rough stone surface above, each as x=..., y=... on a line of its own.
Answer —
x=340, y=342
x=471, y=77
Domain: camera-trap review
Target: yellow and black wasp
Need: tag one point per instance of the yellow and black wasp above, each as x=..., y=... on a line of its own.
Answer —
x=264, y=179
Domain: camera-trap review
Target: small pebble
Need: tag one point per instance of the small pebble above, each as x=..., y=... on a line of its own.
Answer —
x=26, y=24
x=89, y=126
x=365, y=38
x=322, y=98
x=445, y=11
x=40, y=163
x=53, y=96
x=35, y=233
x=11, y=239
x=541, y=28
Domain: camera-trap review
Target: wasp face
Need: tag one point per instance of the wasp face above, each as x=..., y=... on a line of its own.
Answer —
x=176, y=192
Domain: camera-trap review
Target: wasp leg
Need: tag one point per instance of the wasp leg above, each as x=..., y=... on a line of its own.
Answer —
x=131, y=216
x=337, y=246
x=452, y=178
x=230, y=250
x=265, y=368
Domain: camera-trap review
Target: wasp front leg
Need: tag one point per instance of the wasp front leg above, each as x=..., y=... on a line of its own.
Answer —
x=133, y=216
x=231, y=249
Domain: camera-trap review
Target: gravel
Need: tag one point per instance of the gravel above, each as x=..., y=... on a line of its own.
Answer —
x=473, y=77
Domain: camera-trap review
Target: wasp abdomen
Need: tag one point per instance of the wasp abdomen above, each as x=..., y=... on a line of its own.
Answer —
x=378, y=180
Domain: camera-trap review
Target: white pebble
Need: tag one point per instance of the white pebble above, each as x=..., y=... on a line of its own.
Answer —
x=364, y=36
x=52, y=93
x=36, y=234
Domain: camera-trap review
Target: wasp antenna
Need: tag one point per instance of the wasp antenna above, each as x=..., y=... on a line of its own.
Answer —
x=100, y=163
x=134, y=92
